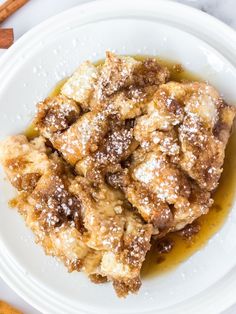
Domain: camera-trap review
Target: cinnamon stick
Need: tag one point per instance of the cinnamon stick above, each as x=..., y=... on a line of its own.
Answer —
x=9, y=7
x=6, y=308
x=6, y=37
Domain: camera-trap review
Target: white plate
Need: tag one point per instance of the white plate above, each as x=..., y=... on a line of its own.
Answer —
x=206, y=283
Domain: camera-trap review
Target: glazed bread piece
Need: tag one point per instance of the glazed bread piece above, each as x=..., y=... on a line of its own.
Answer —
x=120, y=72
x=56, y=114
x=204, y=134
x=47, y=206
x=116, y=231
x=83, y=137
x=80, y=86
x=162, y=193
x=24, y=162
x=201, y=121
x=74, y=135
x=130, y=103
x=115, y=148
x=116, y=73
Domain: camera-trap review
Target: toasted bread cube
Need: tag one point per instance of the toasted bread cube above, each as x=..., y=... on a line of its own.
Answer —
x=163, y=112
x=82, y=137
x=127, y=108
x=23, y=161
x=56, y=114
x=131, y=103
x=105, y=228
x=64, y=242
x=80, y=85
x=152, y=209
x=120, y=234
x=151, y=73
x=116, y=73
x=124, y=265
x=204, y=134
x=162, y=193
x=55, y=204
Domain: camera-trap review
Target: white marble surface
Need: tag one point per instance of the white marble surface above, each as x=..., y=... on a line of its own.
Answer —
x=38, y=10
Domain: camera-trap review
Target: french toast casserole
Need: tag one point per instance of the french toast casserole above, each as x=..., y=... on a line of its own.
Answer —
x=123, y=155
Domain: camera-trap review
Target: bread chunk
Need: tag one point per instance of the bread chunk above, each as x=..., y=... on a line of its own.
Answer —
x=116, y=147
x=201, y=121
x=56, y=114
x=82, y=137
x=116, y=73
x=24, y=162
x=162, y=193
x=80, y=86
x=113, y=229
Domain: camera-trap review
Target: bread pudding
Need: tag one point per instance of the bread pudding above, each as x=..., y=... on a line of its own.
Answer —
x=123, y=155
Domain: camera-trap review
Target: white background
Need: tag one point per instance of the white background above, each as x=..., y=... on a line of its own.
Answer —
x=38, y=10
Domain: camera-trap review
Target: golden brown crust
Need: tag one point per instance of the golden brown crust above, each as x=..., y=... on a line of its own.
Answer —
x=80, y=139
x=96, y=278
x=117, y=146
x=123, y=288
x=56, y=114
x=54, y=203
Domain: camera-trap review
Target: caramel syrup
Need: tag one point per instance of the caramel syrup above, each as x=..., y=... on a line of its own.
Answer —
x=156, y=263
x=31, y=132
x=210, y=224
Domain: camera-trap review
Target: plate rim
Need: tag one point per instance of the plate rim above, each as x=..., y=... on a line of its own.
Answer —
x=9, y=276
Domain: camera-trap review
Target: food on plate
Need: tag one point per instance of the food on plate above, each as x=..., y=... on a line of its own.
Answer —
x=123, y=155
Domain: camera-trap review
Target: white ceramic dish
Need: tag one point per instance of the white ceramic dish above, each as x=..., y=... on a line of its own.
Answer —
x=206, y=283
